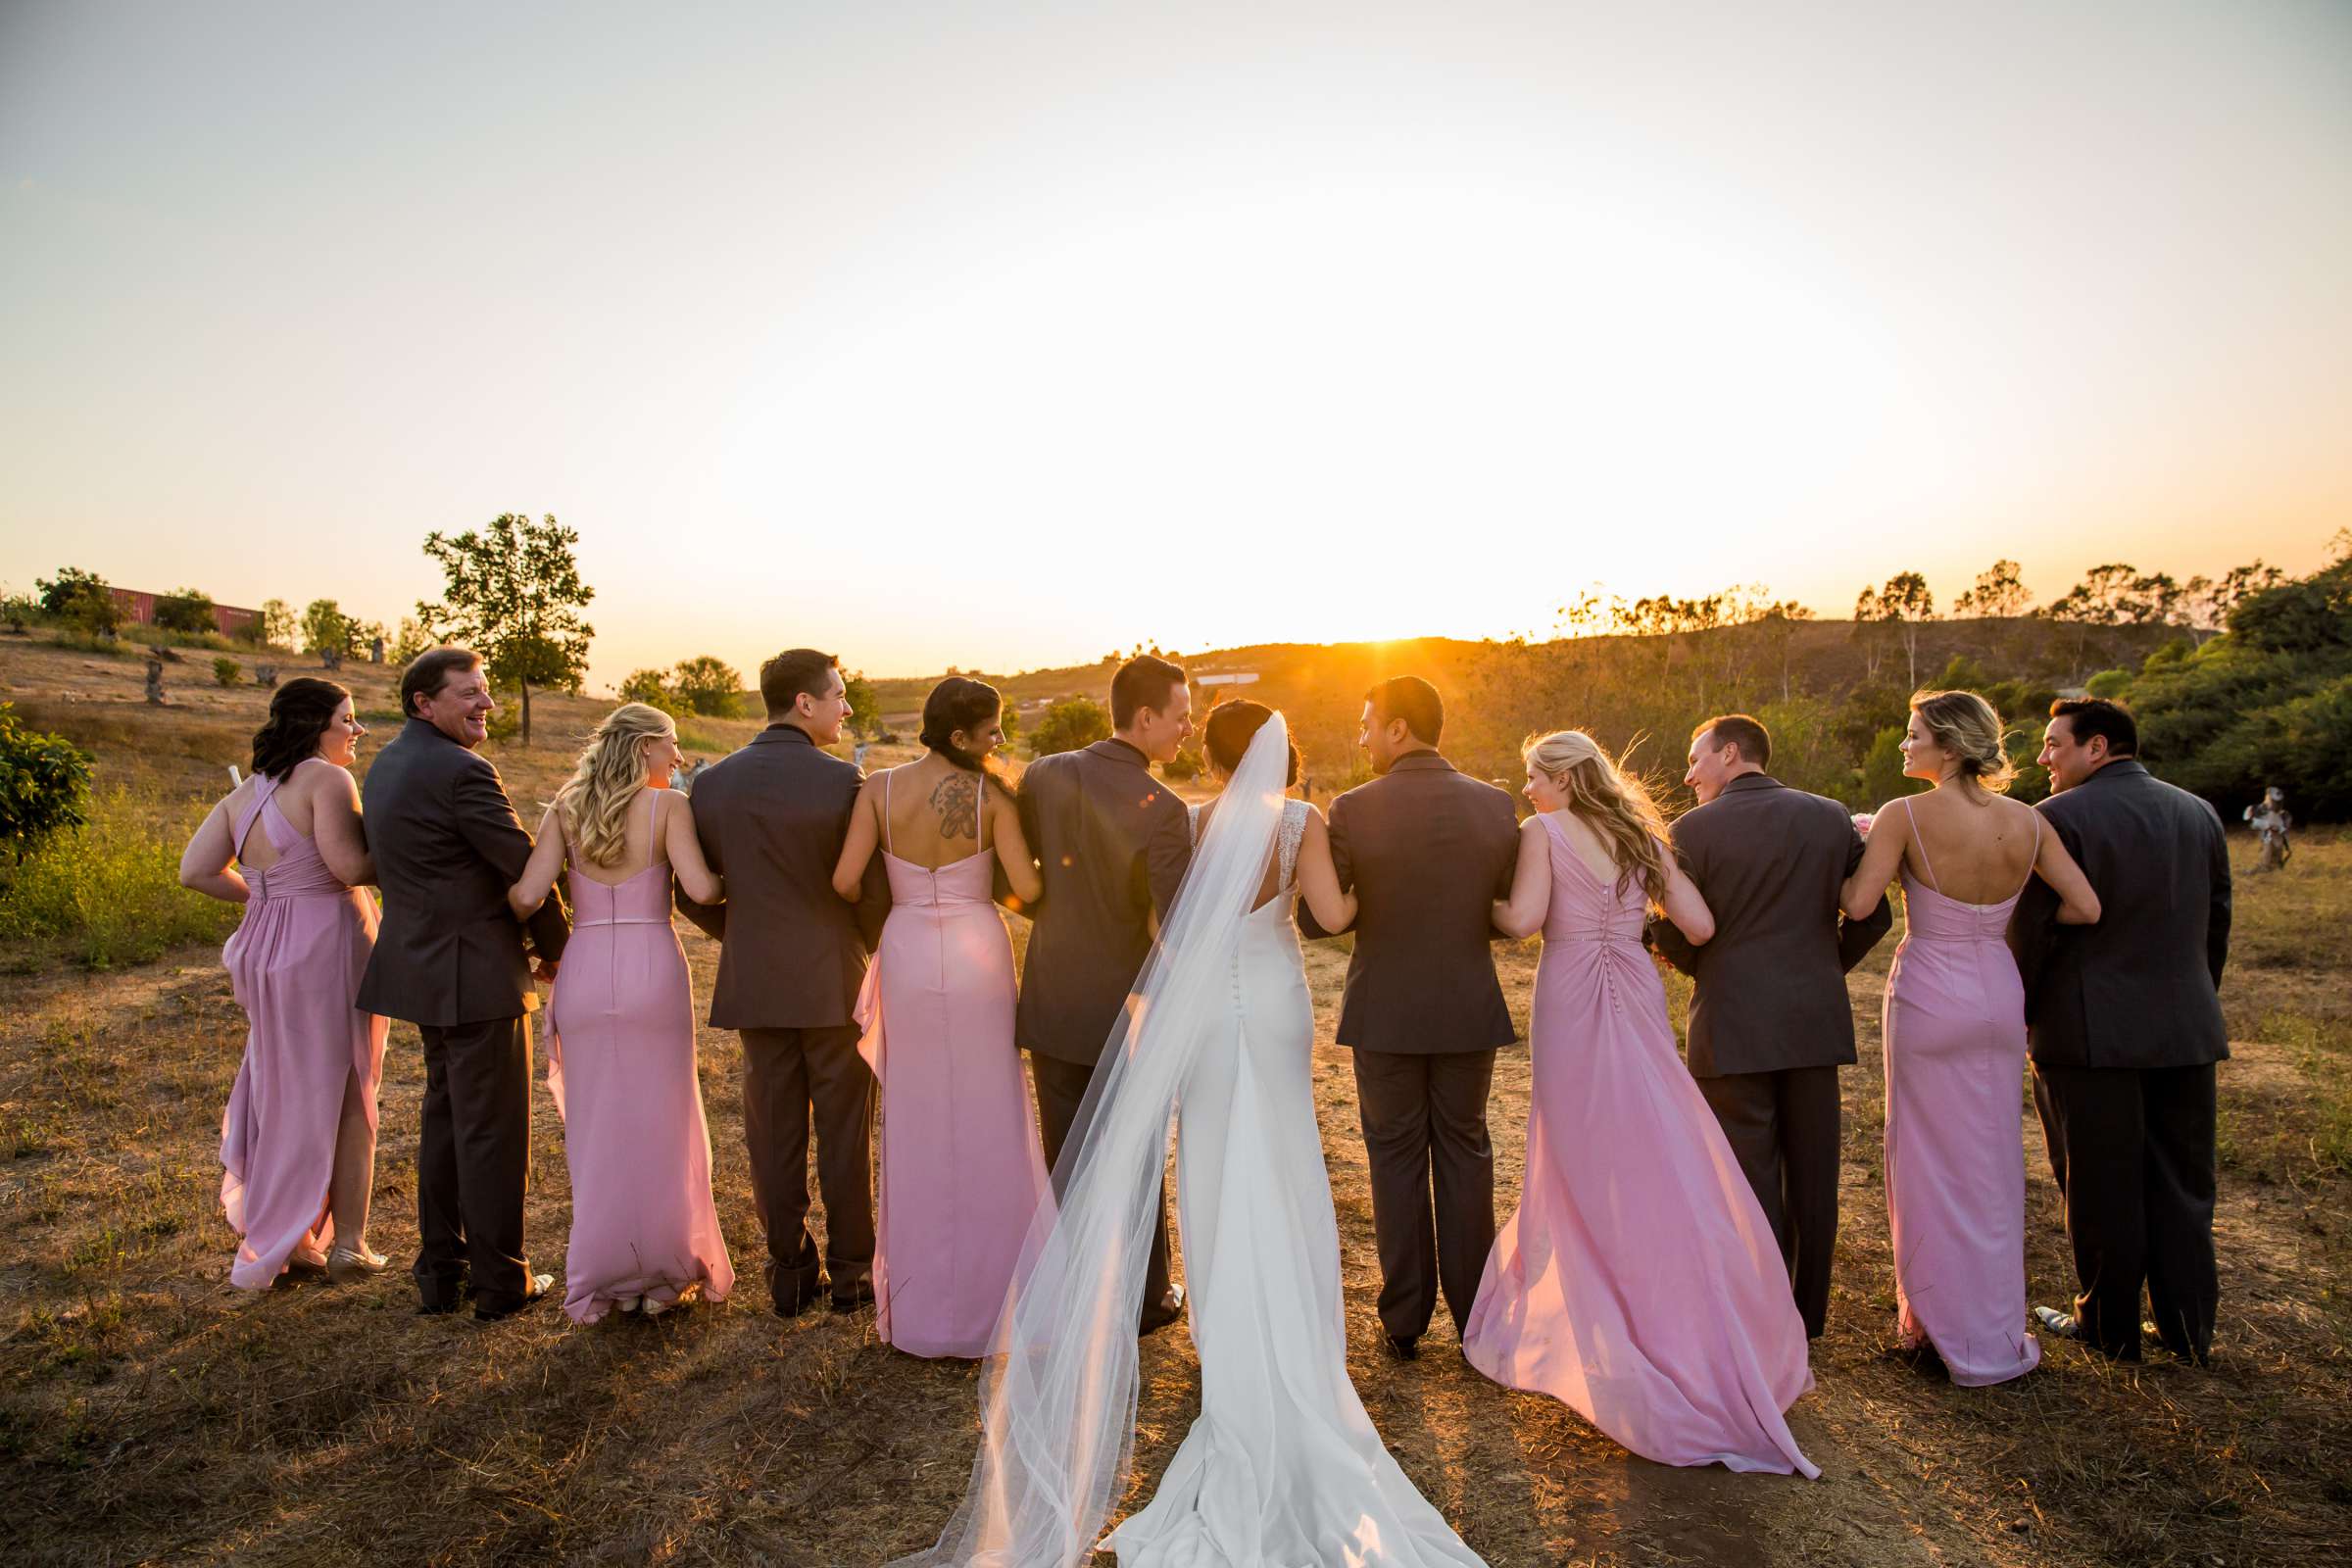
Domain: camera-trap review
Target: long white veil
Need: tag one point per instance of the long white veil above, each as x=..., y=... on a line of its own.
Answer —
x=1057, y=1392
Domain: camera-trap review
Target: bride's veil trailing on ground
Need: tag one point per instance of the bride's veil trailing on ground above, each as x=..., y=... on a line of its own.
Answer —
x=1058, y=1391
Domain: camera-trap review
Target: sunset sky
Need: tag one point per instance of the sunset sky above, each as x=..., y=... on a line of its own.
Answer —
x=1002, y=335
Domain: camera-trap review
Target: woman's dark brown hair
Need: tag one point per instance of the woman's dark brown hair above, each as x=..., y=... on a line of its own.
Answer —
x=298, y=714
x=960, y=702
x=1230, y=729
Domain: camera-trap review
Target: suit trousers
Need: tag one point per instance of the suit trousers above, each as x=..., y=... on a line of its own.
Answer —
x=1061, y=1090
x=473, y=1156
x=1785, y=1129
x=1423, y=1117
x=794, y=1079
x=2132, y=1152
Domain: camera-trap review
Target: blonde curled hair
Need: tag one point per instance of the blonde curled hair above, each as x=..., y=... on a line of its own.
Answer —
x=1608, y=795
x=1967, y=727
x=595, y=801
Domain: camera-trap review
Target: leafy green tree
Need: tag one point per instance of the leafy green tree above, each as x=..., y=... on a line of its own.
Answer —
x=2000, y=592
x=647, y=686
x=513, y=593
x=1069, y=724
x=865, y=714
x=79, y=598
x=44, y=785
x=189, y=609
x=226, y=671
x=707, y=685
x=325, y=629
x=276, y=623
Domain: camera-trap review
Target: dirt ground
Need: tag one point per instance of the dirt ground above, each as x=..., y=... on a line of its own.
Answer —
x=149, y=1413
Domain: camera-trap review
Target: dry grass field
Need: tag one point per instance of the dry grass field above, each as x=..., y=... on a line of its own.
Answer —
x=149, y=1413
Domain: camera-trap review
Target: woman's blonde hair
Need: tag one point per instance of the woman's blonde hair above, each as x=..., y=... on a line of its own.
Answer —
x=595, y=801
x=1966, y=726
x=1608, y=795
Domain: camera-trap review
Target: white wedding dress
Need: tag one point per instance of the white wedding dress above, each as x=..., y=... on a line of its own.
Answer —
x=1283, y=1469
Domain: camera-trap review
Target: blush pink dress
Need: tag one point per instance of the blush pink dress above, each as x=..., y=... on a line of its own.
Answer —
x=620, y=1063
x=1955, y=1034
x=960, y=1167
x=1639, y=1283
x=295, y=963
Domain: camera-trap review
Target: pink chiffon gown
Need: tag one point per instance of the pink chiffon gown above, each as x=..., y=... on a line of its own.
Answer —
x=620, y=1063
x=960, y=1167
x=1639, y=1283
x=1955, y=1034
x=295, y=963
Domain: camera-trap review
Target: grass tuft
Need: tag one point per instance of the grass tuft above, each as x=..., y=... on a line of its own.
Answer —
x=109, y=894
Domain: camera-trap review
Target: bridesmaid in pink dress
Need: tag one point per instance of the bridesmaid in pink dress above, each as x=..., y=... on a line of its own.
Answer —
x=1639, y=1283
x=961, y=1168
x=1955, y=1036
x=298, y=1139
x=620, y=1057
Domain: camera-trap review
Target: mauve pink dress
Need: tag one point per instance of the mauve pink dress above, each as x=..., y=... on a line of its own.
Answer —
x=1955, y=1036
x=620, y=1063
x=1639, y=1283
x=960, y=1167
x=295, y=963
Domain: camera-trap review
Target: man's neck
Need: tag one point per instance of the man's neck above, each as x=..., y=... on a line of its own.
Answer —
x=1745, y=770
x=1130, y=738
x=1417, y=749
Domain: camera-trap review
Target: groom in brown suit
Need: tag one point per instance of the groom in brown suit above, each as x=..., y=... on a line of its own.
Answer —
x=1427, y=850
x=1112, y=844
x=449, y=960
x=772, y=819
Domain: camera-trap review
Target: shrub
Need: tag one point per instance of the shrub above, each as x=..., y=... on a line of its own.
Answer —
x=189, y=609
x=708, y=686
x=1185, y=765
x=44, y=785
x=79, y=599
x=109, y=890
x=1071, y=723
x=647, y=687
x=2111, y=684
x=227, y=671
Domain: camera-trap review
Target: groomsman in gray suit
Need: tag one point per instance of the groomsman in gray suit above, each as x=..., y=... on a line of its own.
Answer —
x=1770, y=1021
x=771, y=818
x=451, y=959
x=2123, y=1021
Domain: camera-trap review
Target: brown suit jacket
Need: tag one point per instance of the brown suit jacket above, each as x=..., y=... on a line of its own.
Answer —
x=2141, y=987
x=1427, y=850
x=772, y=819
x=1771, y=862
x=1112, y=844
x=447, y=847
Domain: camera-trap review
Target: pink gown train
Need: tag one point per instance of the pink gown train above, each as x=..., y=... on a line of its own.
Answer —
x=1639, y=1283
x=960, y=1167
x=620, y=1063
x=295, y=963
x=1956, y=1037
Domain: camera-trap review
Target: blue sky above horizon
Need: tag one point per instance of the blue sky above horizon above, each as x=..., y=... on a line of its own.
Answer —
x=1000, y=336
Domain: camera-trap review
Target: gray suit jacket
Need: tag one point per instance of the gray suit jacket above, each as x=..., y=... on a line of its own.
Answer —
x=2140, y=989
x=447, y=847
x=1427, y=850
x=1112, y=844
x=1771, y=862
x=771, y=818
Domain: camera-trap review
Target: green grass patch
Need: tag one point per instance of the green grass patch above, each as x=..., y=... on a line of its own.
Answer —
x=2322, y=1052
x=109, y=893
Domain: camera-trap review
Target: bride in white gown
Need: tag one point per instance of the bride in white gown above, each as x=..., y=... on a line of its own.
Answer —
x=1283, y=1469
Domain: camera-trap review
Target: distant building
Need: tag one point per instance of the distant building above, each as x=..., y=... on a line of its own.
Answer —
x=139, y=608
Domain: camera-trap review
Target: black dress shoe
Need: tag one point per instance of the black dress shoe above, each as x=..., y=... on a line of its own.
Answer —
x=439, y=1309
x=793, y=1308
x=1404, y=1347
x=1162, y=1312
x=493, y=1311
x=851, y=1301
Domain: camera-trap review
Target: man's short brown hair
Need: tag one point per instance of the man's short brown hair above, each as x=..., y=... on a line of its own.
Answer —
x=1144, y=681
x=1740, y=729
x=792, y=673
x=430, y=671
x=1413, y=700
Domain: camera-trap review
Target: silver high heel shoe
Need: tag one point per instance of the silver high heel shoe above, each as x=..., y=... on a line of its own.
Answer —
x=347, y=1263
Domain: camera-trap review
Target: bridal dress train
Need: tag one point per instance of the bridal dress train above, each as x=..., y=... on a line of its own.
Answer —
x=1283, y=1469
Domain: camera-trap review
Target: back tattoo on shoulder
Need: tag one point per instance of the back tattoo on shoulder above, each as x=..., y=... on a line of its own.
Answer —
x=957, y=800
